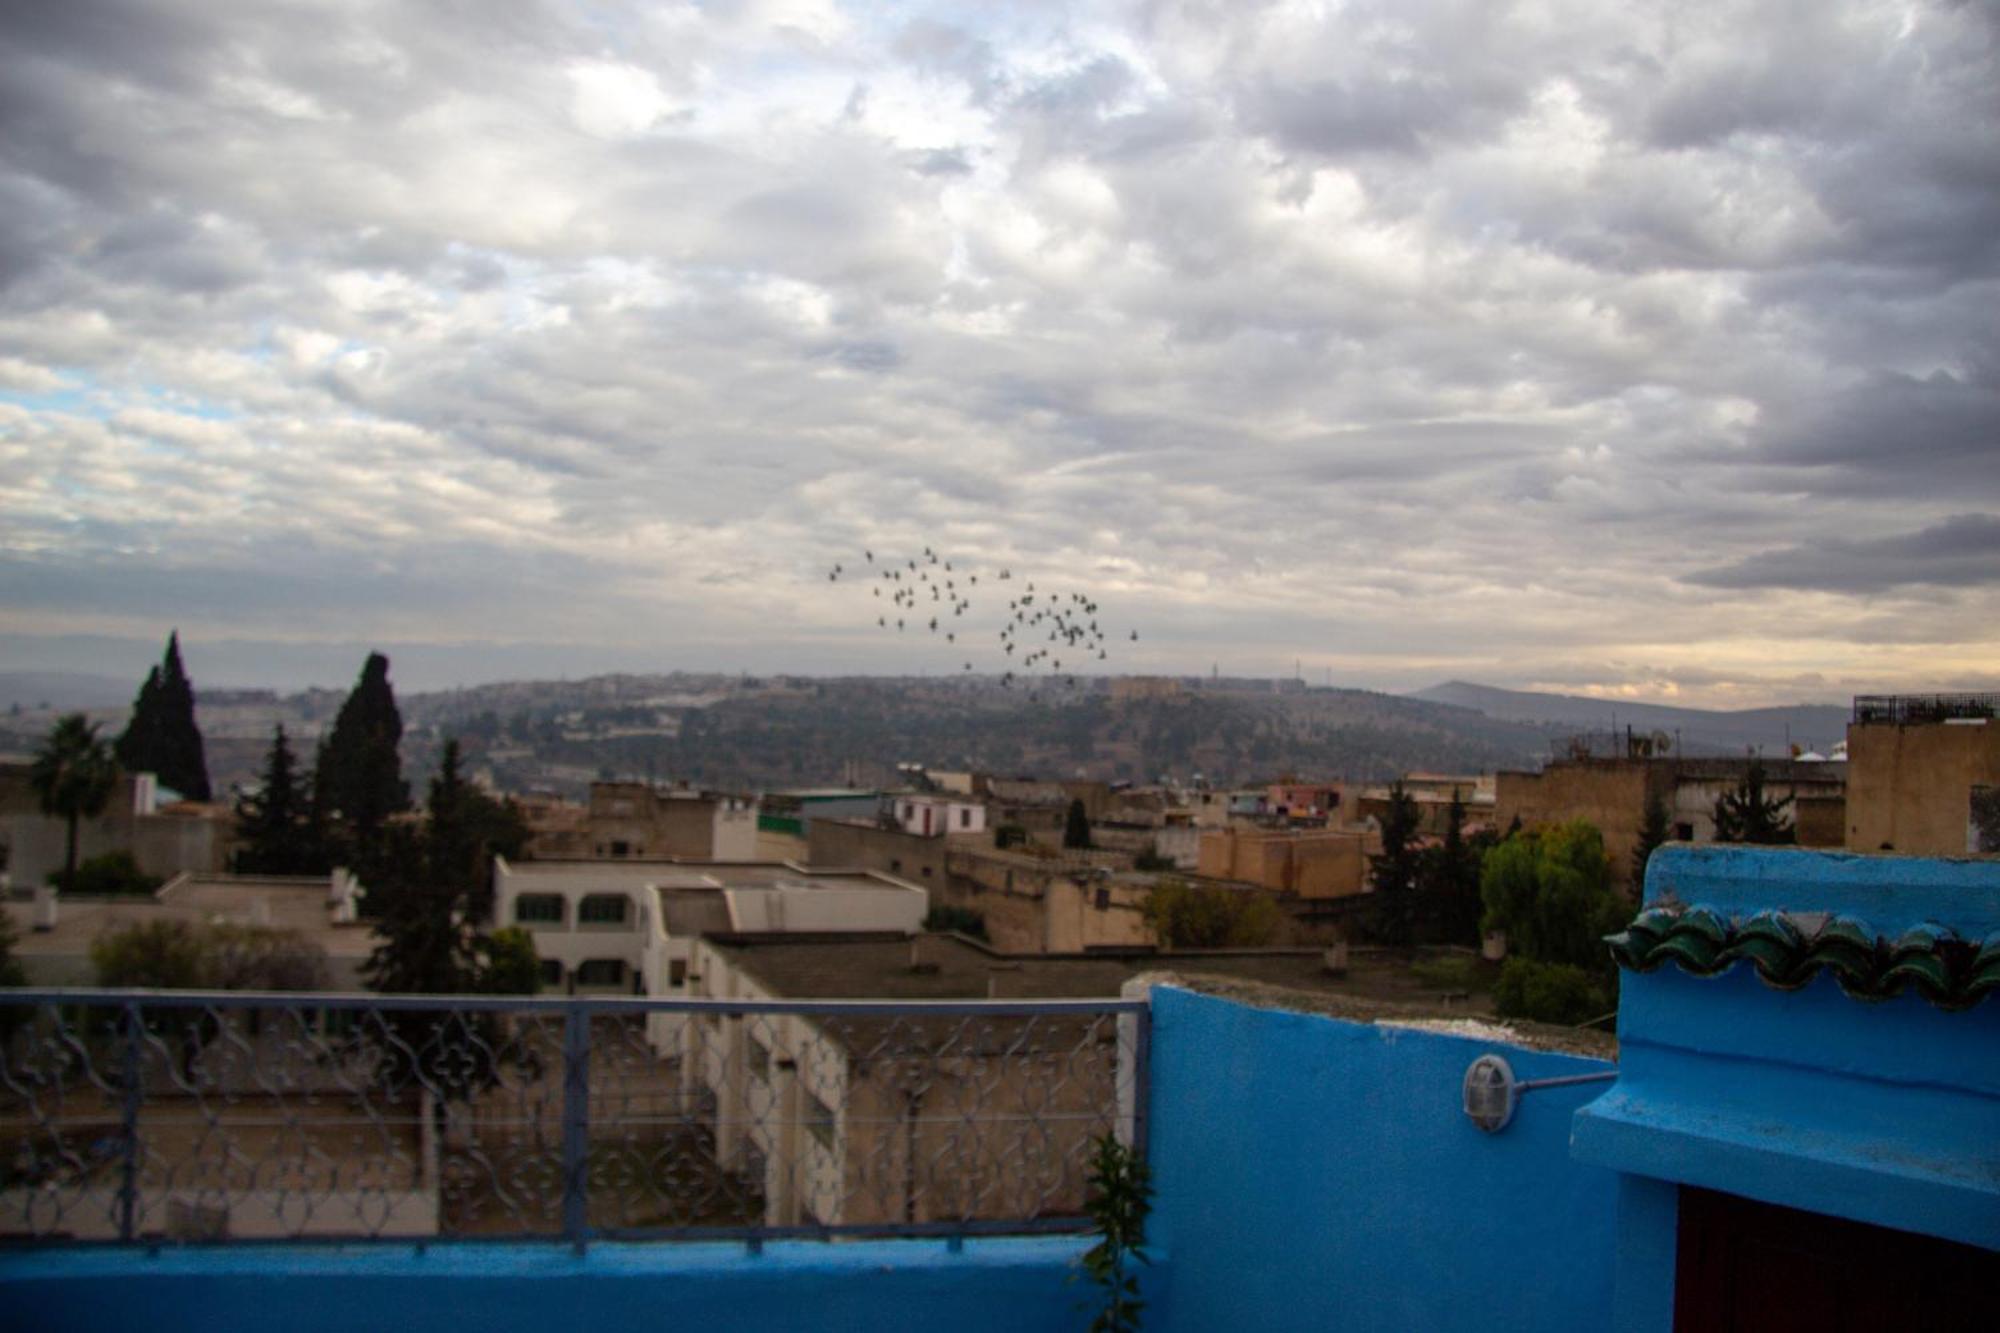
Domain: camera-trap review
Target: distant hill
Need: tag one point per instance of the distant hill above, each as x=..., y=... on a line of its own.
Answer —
x=59, y=690
x=1700, y=730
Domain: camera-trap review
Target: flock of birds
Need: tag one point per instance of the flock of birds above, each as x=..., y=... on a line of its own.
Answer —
x=1041, y=631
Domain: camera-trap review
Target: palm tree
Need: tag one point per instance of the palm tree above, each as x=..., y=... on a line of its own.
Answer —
x=74, y=775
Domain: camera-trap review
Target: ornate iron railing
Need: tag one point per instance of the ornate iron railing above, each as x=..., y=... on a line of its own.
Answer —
x=151, y=1116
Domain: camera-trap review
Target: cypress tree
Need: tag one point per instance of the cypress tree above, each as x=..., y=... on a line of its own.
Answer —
x=358, y=782
x=163, y=738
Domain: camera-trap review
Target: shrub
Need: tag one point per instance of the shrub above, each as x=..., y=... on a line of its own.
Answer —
x=962, y=920
x=105, y=876
x=1549, y=993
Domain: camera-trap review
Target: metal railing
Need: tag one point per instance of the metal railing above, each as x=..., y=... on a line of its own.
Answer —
x=1912, y=709
x=157, y=1116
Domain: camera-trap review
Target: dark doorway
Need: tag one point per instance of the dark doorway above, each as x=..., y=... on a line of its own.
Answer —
x=1755, y=1266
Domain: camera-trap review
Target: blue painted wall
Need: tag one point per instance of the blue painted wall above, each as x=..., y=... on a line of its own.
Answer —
x=994, y=1286
x=1885, y=1112
x=1313, y=1173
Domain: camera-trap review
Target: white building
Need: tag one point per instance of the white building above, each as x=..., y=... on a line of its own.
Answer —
x=928, y=815
x=628, y=927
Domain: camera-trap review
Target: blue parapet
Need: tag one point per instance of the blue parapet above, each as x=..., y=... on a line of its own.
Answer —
x=1320, y=1173
x=1809, y=1030
x=1016, y=1285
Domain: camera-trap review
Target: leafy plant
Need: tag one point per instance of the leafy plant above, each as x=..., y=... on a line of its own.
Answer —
x=963, y=920
x=1550, y=993
x=1190, y=916
x=105, y=876
x=1121, y=1195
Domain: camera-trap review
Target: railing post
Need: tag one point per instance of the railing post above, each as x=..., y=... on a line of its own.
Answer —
x=1142, y=1055
x=576, y=1124
x=128, y=1186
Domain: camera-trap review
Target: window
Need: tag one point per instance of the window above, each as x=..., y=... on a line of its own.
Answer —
x=538, y=909
x=600, y=972
x=1684, y=833
x=927, y=872
x=820, y=1122
x=965, y=818
x=620, y=848
x=603, y=909
x=1104, y=900
x=895, y=866
x=758, y=1056
x=677, y=972
x=552, y=972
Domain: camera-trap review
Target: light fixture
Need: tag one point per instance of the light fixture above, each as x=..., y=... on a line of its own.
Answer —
x=1492, y=1092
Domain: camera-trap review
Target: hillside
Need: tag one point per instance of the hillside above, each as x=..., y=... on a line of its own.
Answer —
x=1701, y=731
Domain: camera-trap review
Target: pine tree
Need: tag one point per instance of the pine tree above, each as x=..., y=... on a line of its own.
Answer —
x=275, y=823
x=163, y=738
x=1448, y=875
x=1748, y=815
x=1076, y=827
x=1393, y=876
x=358, y=781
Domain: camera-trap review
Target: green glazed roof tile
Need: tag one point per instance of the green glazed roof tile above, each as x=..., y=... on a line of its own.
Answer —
x=1789, y=948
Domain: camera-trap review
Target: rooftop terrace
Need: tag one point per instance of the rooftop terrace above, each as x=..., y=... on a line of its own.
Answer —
x=1790, y=1137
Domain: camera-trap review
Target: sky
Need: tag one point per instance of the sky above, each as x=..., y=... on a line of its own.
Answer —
x=1620, y=348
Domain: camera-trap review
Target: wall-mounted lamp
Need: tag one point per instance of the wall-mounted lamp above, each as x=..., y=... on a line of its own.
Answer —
x=1492, y=1092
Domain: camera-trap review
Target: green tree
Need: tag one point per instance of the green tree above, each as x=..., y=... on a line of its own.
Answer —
x=73, y=776
x=162, y=737
x=275, y=821
x=1550, y=890
x=427, y=883
x=1747, y=814
x=1076, y=827
x=1652, y=833
x=1447, y=877
x=358, y=779
x=1393, y=875
x=1190, y=916
x=508, y=963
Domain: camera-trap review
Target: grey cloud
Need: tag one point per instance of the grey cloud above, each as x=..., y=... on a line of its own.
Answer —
x=1415, y=300
x=1963, y=551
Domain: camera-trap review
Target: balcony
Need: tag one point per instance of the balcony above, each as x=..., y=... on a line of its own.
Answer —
x=1803, y=1036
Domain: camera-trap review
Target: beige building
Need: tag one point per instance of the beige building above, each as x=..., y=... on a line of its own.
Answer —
x=164, y=839
x=1612, y=794
x=55, y=932
x=1312, y=863
x=1923, y=775
x=639, y=821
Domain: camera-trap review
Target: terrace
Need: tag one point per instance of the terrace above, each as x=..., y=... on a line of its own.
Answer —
x=1802, y=1118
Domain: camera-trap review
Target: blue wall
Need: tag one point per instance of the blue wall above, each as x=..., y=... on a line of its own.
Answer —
x=1313, y=1173
x=994, y=1286
x=1885, y=1112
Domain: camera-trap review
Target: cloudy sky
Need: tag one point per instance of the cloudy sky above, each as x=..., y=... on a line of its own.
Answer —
x=1633, y=348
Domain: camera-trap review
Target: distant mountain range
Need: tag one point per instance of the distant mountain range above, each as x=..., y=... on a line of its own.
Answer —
x=745, y=732
x=44, y=690
x=1698, y=730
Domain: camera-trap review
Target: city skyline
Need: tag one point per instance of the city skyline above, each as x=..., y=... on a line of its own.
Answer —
x=1571, y=347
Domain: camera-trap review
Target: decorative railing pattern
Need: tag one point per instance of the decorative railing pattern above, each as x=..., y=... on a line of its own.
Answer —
x=181, y=1116
x=1788, y=949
